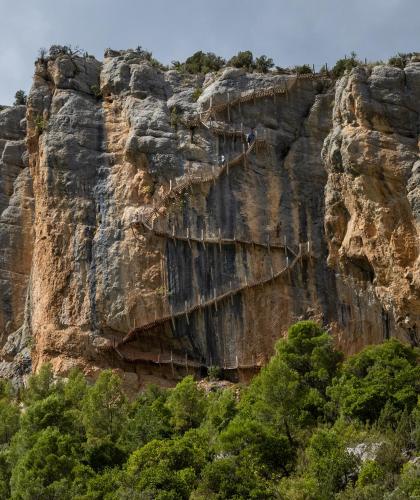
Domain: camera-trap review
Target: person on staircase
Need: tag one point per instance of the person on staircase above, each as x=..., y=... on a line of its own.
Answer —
x=250, y=138
x=192, y=132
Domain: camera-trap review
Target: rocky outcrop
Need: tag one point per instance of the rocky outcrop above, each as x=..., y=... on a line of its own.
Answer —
x=16, y=243
x=372, y=196
x=140, y=236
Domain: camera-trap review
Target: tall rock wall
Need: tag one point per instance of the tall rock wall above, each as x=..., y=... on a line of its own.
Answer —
x=138, y=234
x=16, y=243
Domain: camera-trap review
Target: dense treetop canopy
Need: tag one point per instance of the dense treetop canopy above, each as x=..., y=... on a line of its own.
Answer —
x=296, y=432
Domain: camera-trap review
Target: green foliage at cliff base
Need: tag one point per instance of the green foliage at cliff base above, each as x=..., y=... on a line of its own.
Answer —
x=311, y=425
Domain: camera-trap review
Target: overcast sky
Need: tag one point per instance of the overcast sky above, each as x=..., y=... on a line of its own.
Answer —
x=291, y=32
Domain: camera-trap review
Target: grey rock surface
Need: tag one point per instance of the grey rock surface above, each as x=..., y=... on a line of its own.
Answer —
x=105, y=141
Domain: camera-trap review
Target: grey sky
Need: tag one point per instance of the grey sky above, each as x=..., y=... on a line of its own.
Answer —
x=291, y=32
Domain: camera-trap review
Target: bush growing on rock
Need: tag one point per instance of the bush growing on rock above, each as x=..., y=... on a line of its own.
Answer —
x=263, y=64
x=400, y=60
x=342, y=65
x=203, y=62
x=197, y=92
x=243, y=59
x=58, y=50
x=148, y=56
x=20, y=98
x=305, y=69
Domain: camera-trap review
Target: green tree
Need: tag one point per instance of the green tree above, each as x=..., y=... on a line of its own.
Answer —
x=45, y=470
x=221, y=408
x=41, y=385
x=149, y=418
x=370, y=473
x=290, y=391
x=90, y=486
x=47, y=412
x=330, y=464
x=232, y=477
x=388, y=373
x=305, y=69
x=203, y=62
x=267, y=450
x=346, y=64
x=409, y=483
x=9, y=413
x=104, y=454
x=400, y=60
x=20, y=98
x=263, y=64
x=187, y=405
x=105, y=407
x=5, y=472
x=167, y=468
x=244, y=59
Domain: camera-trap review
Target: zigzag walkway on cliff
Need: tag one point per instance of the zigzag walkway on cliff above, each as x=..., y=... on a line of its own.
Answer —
x=191, y=179
x=244, y=97
x=185, y=362
x=202, y=117
x=304, y=250
x=175, y=191
x=206, y=240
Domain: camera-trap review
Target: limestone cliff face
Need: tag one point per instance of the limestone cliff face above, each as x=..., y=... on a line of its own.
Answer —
x=372, y=196
x=16, y=242
x=138, y=236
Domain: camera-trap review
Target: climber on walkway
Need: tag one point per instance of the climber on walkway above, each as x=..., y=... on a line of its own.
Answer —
x=250, y=138
x=192, y=131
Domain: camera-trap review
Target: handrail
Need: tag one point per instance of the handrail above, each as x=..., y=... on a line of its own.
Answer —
x=190, y=179
x=246, y=96
x=183, y=361
x=206, y=240
x=216, y=299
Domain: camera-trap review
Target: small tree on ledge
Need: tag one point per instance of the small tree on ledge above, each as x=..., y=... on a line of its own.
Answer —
x=20, y=98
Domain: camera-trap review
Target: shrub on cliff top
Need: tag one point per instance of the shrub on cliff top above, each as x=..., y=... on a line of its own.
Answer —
x=342, y=65
x=202, y=62
x=20, y=98
x=148, y=56
x=263, y=64
x=58, y=50
x=243, y=59
x=400, y=60
x=305, y=69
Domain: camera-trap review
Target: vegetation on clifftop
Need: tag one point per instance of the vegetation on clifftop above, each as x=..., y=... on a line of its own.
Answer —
x=309, y=426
